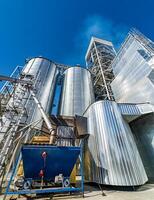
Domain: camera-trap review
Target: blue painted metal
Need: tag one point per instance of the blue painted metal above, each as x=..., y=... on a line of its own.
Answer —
x=47, y=190
x=82, y=167
x=13, y=173
x=77, y=151
x=59, y=160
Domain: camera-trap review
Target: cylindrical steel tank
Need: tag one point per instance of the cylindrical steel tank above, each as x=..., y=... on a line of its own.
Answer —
x=22, y=110
x=45, y=74
x=77, y=92
x=111, y=155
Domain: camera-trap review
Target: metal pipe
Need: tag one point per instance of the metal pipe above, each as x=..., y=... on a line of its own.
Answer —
x=14, y=80
x=45, y=117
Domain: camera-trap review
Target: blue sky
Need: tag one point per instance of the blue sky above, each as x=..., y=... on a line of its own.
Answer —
x=61, y=29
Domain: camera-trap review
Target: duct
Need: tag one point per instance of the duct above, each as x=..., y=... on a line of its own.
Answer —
x=131, y=112
x=77, y=93
x=111, y=155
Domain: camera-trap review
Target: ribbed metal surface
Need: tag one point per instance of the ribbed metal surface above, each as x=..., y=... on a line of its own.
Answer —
x=135, y=109
x=21, y=108
x=111, y=154
x=77, y=93
x=129, y=109
x=133, y=69
x=45, y=74
x=65, y=136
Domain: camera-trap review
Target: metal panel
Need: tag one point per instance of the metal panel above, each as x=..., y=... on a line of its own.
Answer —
x=65, y=136
x=133, y=69
x=81, y=126
x=143, y=130
x=135, y=109
x=77, y=92
x=131, y=112
x=111, y=155
x=45, y=75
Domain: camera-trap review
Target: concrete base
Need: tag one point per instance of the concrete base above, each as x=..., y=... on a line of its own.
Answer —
x=94, y=193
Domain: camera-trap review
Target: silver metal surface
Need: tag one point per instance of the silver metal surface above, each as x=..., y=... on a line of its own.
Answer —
x=133, y=69
x=135, y=109
x=131, y=112
x=27, y=105
x=77, y=93
x=111, y=155
x=45, y=75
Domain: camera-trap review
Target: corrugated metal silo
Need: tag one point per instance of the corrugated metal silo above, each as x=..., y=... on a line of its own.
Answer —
x=111, y=155
x=77, y=93
x=45, y=74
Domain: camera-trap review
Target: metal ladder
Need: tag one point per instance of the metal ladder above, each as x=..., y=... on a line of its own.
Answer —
x=16, y=108
x=14, y=114
x=13, y=117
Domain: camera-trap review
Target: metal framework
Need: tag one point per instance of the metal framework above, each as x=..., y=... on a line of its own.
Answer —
x=7, y=90
x=146, y=42
x=79, y=188
x=11, y=128
x=12, y=111
x=17, y=92
x=98, y=58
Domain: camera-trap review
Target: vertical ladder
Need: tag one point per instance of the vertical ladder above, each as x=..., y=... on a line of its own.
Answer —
x=12, y=119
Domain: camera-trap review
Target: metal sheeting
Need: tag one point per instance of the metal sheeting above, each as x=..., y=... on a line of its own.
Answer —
x=132, y=67
x=111, y=155
x=45, y=74
x=22, y=108
x=129, y=109
x=77, y=93
x=65, y=136
x=143, y=130
x=135, y=109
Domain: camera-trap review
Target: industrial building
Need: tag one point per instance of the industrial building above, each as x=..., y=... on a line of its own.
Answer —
x=103, y=129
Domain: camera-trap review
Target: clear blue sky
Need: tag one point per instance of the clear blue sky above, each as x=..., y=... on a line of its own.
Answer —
x=61, y=29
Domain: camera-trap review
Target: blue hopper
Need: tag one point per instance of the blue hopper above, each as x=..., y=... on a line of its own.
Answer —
x=52, y=160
